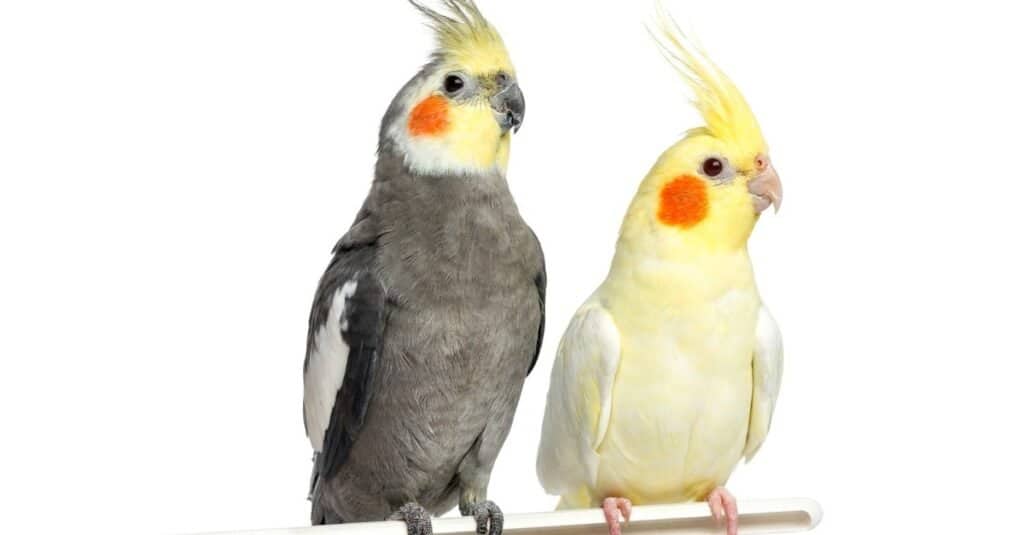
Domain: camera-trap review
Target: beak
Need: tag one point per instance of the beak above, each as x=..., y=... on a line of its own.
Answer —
x=765, y=188
x=509, y=107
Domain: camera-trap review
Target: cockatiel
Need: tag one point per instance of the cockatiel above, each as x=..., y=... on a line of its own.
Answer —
x=431, y=312
x=668, y=374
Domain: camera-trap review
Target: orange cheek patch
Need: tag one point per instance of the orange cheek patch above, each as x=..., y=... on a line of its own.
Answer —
x=683, y=202
x=430, y=117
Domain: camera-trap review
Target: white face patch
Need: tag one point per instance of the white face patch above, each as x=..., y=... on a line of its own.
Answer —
x=326, y=370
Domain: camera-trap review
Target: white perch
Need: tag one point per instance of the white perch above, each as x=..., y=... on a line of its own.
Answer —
x=756, y=516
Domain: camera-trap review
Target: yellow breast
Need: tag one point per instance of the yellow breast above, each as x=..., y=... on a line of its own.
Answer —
x=682, y=394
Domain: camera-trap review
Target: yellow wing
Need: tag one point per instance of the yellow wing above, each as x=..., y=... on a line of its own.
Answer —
x=579, y=401
x=767, y=380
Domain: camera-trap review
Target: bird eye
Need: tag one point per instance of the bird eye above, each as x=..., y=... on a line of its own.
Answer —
x=453, y=84
x=712, y=167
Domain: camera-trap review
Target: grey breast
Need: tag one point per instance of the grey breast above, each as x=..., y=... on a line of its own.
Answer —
x=459, y=267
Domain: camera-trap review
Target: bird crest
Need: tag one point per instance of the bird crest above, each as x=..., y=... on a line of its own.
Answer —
x=465, y=38
x=726, y=113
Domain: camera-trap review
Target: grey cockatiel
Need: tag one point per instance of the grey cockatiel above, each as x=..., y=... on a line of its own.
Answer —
x=431, y=313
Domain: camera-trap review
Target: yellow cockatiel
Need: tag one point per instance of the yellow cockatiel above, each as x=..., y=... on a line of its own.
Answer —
x=668, y=374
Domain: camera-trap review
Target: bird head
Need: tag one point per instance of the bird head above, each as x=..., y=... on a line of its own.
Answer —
x=711, y=186
x=456, y=116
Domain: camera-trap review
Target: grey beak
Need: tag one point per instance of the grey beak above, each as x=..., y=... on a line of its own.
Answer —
x=509, y=107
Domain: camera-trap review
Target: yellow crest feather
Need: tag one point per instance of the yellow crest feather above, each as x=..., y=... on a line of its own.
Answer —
x=466, y=38
x=726, y=113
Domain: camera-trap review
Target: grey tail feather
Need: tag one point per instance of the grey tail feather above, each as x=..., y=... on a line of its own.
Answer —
x=320, y=514
x=317, y=514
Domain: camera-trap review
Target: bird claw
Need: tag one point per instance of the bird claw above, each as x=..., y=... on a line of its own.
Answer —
x=723, y=508
x=416, y=518
x=488, y=512
x=612, y=508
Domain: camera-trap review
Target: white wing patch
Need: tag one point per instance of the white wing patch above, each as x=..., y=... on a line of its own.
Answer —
x=767, y=381
x=579, y=401
x=326, y=370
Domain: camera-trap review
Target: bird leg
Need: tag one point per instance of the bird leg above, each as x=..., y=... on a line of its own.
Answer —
x=612, y=508
x=489, y=518
x=723, y=508
x=473, y=496
x=416, y=518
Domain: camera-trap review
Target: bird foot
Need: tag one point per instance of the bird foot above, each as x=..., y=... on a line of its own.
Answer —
x=723, y=508
x=612, y=508
x=416, y=518
x=489, y=518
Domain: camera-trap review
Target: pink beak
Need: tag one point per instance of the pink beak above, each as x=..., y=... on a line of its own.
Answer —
x=765, y=188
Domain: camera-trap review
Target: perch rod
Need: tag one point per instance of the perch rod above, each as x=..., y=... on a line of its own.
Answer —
x=756, y=516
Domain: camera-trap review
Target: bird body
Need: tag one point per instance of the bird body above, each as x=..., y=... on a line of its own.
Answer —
x=431, y=313
x=682, y=330
x=667, y=376
x=684, y=370
x=459, y=266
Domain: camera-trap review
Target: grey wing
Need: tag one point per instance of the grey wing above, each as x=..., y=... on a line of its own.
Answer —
x=345, y=329
x=541, y=281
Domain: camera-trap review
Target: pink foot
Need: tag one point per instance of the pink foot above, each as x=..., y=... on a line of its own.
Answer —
x=723, y=508
x=612, y=507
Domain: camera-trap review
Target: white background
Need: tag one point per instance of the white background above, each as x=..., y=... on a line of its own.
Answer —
x=174, y=175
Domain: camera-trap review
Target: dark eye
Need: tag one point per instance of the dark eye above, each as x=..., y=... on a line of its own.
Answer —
x=453, y=83
x=713, y=167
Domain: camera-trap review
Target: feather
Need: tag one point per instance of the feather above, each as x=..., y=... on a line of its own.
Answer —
x=465, y=37
x=767, y=368
x=719, y=101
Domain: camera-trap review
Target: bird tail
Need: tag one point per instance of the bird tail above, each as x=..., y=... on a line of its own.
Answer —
x=578, y=499
x=317, y=515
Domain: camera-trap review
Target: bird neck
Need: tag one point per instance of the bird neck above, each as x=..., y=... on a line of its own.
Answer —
x=395, y=171
x=650, y=271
